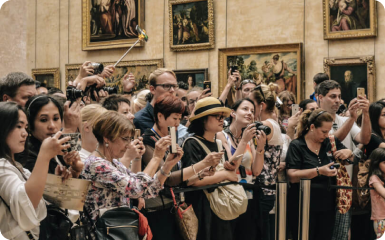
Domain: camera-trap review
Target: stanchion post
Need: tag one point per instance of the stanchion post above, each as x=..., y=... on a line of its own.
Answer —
x=280, y=211
x=304, y=209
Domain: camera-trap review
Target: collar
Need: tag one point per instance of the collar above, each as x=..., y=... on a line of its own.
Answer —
x=150, y=109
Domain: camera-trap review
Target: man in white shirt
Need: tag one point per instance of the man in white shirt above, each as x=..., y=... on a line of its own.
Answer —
x=347, y=131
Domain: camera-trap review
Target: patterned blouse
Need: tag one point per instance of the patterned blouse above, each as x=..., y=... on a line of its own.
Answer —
x=112, y=184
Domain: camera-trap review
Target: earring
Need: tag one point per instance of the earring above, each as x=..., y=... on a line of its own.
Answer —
x=106, y=145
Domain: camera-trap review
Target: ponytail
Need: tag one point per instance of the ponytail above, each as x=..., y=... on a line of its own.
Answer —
x=308, y=117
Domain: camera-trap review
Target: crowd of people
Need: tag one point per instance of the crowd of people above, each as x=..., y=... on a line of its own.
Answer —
x=258, y=140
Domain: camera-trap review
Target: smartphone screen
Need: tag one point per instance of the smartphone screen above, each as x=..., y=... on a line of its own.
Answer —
x=206, y=85
x=294, y=109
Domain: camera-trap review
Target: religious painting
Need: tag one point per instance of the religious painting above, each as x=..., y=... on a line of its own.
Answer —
x=279, y=64
x=349, y=18
x=352, y=73
x=140, y=68
x=192, y=77
x=191, y=24
x=49, y=76
x=111, y=23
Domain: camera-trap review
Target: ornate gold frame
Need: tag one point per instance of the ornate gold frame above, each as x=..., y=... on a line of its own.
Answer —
x=365, y=60
x=198, y=46
x=121, y=43
x=157, y=62
x=223, y=53
x=44, y=71
x=360, y=33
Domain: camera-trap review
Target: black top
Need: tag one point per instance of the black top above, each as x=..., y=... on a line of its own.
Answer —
x=194, y=153
x=374, y=143
x=144, y=119
x=29, y=156
x=299, y=156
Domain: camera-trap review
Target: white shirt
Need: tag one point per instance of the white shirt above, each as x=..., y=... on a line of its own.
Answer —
x=84, y=154
x=348, y=141
x=24, y=216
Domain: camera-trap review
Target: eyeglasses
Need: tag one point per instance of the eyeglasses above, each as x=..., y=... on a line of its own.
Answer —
x=246, y=81
x=192, y=101
x=167, y=87
x=127, y=139
x=218, y=116
x=259, y=88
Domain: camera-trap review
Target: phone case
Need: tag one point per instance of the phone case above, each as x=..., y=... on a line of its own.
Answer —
x=174, y=139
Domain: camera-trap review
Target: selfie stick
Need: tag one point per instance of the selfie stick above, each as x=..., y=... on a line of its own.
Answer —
x=142, y=36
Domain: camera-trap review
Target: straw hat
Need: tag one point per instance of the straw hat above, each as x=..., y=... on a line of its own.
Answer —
x=208, y=106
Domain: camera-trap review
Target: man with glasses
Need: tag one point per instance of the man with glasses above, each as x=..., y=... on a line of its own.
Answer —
x=245, y=88
x=162, y=80
x=347, y=131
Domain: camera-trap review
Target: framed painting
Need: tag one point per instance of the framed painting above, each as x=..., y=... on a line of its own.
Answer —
x=280, y=64
x=191, y=24
x=192, y=77
x=140, y=68
x=49, y=76
x=353, y=73
x=111, y=24
x=349, y=18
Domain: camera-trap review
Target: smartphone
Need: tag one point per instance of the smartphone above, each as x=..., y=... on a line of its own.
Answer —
x=233, y=69
x=240, y=156
x=74, y=142
x=174, y=139
x=137, y=133
x=206, y=85
x=361, y=91
x=294, y=109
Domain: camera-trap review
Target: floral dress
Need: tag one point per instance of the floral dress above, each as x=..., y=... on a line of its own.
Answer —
x=112, y=185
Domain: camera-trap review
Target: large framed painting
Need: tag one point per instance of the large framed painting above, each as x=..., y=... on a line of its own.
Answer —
x=111, y=23
x=280, y=64
x=192, y=77
x=353, y=73
x=49, y=76
x=191, y=24
x=349, y=18
x=140, y=68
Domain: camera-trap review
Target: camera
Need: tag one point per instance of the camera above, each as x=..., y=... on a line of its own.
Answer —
x=278, y=103
x=109, y=90
x=263, y=128
x=73, y=93
x=341, y=109
x=98, y=68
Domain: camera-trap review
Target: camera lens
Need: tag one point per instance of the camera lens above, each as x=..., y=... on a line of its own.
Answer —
x=261, y=127
x=98, y=68
x=111, y=90
x=73, y=93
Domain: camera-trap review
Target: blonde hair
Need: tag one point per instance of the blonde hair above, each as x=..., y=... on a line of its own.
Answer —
x=195, y=89
x=90, y=113
x=269, y=95
x=139, y=100
x=155, y=74
x=112, y=125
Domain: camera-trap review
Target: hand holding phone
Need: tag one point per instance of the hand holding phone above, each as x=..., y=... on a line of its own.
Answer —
x=236, y=159
x=361, y=92
x=137, y=134
x=174, y=139
x=207, y=85
x=294, y=109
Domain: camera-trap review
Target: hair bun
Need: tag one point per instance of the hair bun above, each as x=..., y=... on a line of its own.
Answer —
x=273, y=88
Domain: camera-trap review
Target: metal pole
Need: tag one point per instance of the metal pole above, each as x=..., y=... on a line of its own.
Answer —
x=304, y=209
x=126, y=52
x=280, y=211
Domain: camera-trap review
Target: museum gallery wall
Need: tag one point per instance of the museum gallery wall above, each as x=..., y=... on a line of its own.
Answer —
x=187, y=41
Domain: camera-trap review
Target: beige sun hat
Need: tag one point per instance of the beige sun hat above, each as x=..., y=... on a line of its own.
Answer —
x=208, y=106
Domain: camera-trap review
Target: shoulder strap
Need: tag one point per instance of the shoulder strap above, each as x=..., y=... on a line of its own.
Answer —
x=200, y=143
x=333, y=143
x=220, y=148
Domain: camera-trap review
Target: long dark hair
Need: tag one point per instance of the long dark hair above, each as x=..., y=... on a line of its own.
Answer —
x=375, y=110
x=376, y=157
x=9, y=117
x=238, y=103
x=36, y=103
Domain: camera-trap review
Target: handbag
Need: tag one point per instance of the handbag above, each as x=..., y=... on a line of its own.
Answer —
x=363, y=195
x=229, y=201
x=117, y=223
x=186, y=219
x=344, y=196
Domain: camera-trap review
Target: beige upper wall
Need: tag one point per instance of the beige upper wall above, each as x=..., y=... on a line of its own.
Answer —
x=49, y=35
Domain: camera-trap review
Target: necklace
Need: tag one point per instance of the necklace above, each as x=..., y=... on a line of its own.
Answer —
x=96, y=150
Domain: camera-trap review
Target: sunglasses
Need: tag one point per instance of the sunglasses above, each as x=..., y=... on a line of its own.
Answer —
x=218, y=116
x=259, y=88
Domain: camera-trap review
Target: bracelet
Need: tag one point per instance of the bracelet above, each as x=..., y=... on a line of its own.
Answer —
x=195, y=172
x=318, y=172
x=130, y=92
x=137, y=159
x=165, y=174
x=261, y=152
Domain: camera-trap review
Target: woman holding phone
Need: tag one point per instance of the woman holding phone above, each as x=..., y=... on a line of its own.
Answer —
x=239, y=140
x=168, y=111
x=22, y=206
x=309, y=157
